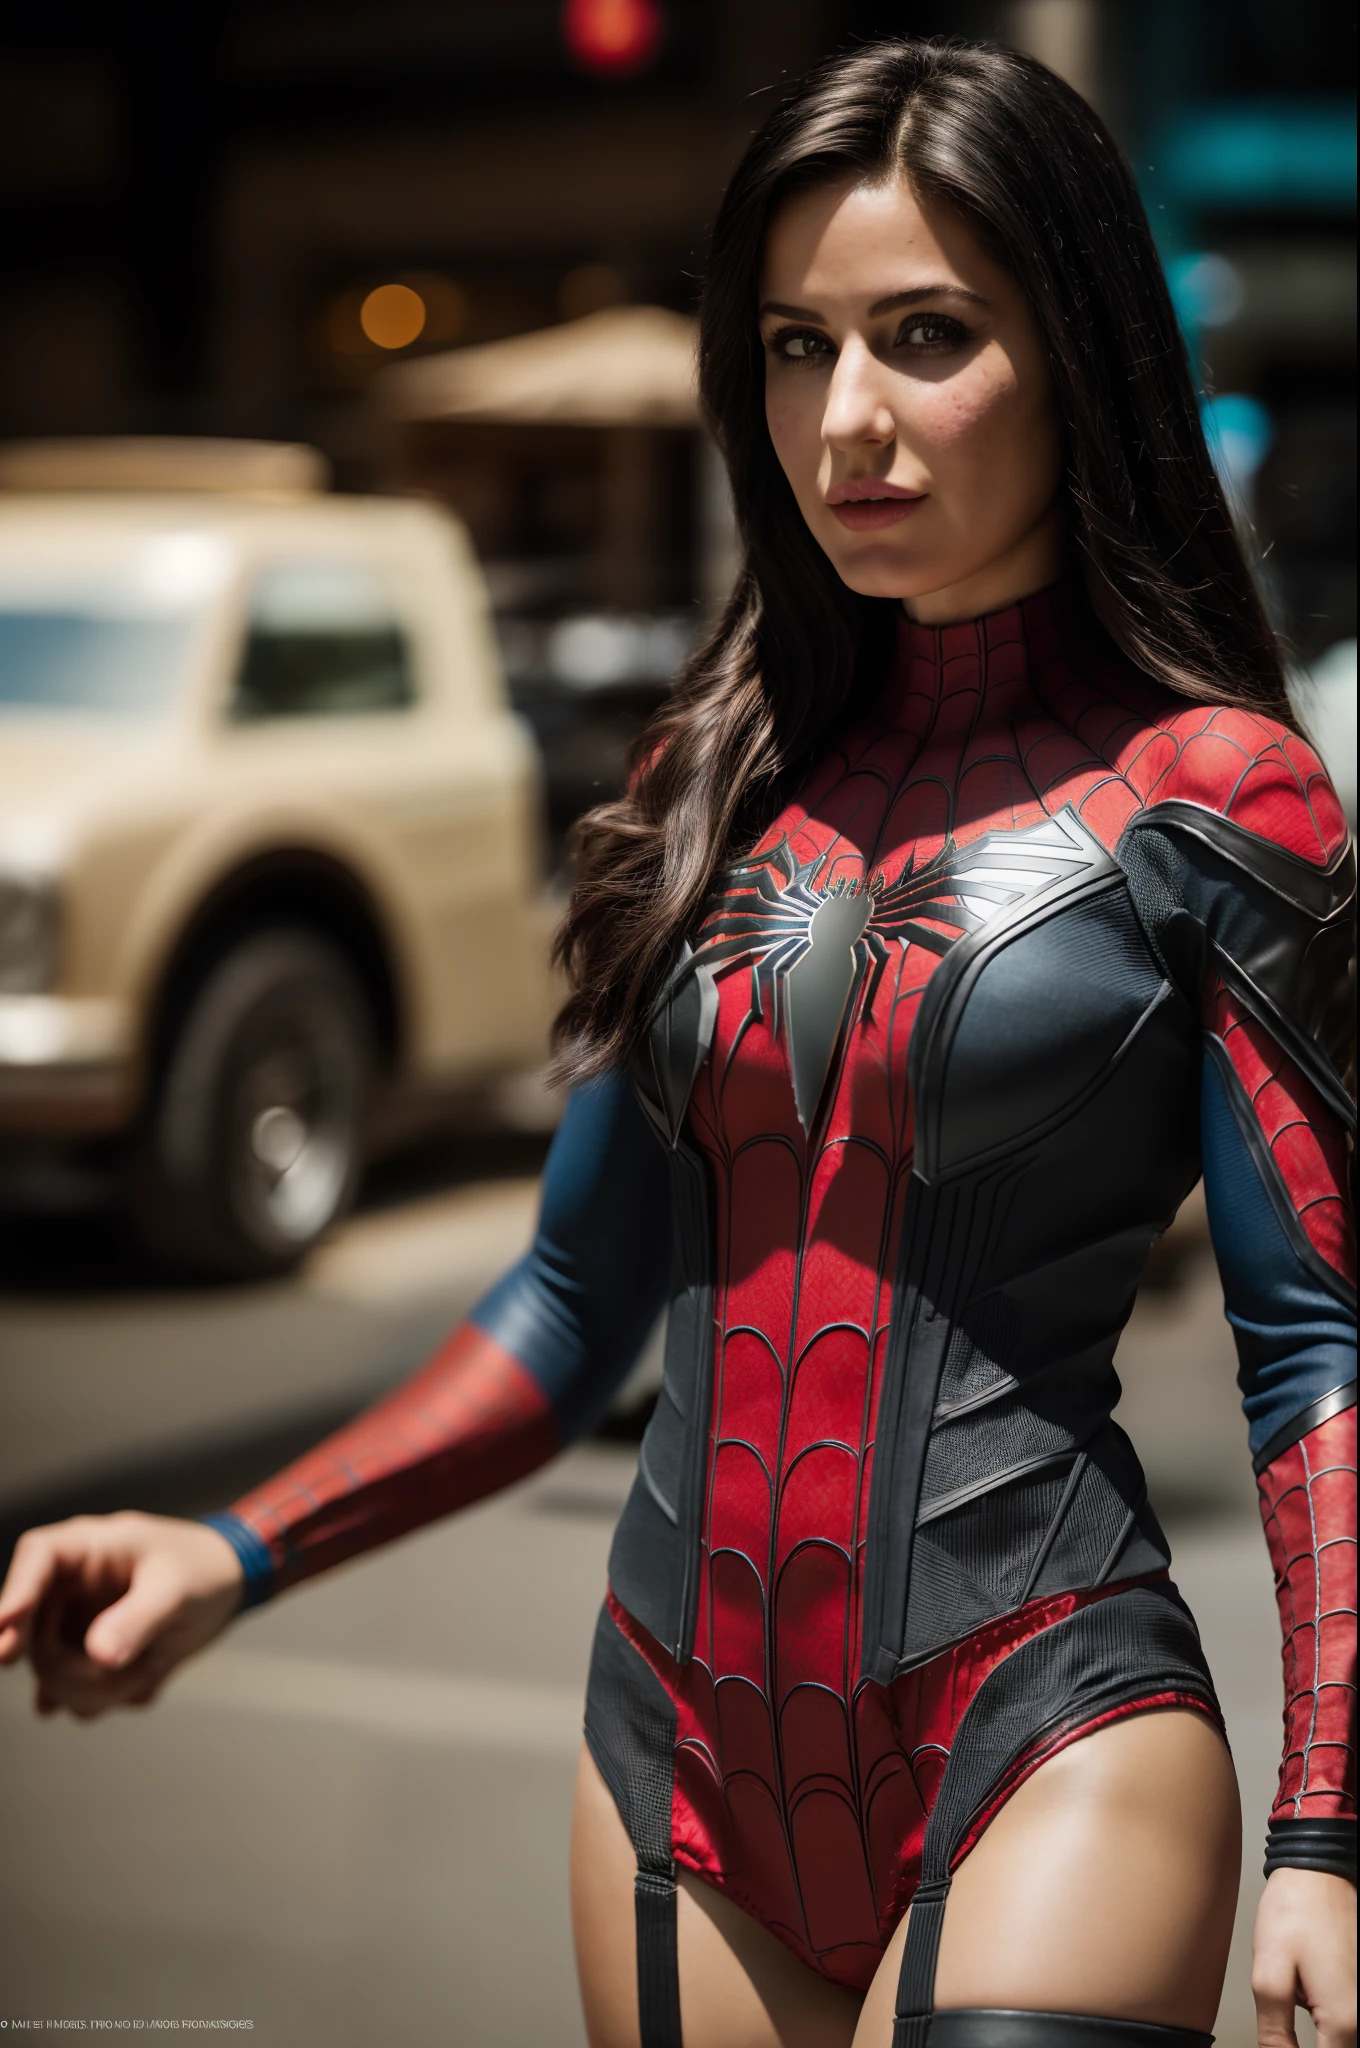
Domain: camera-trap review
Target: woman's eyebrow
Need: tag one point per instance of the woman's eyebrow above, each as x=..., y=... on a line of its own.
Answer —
x=924, y=291
x=890, y=304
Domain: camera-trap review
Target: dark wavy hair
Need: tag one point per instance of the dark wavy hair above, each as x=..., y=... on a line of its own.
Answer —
x=1007, y=145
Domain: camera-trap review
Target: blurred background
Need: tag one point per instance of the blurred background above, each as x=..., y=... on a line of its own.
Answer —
x=354, y=513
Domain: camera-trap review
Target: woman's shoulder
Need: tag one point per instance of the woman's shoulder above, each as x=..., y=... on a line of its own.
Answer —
x=1252, y=770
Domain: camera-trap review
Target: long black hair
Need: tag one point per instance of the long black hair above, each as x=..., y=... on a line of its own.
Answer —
x=1009, y=147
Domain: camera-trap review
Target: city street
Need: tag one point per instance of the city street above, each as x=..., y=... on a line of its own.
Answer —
x=420, y=532
x=348, y=1824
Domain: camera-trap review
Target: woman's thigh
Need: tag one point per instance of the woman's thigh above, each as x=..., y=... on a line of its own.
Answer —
x=1106, y=1885
x=739, y=1987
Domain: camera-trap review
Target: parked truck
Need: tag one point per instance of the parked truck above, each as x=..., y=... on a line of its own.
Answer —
x=271, y=839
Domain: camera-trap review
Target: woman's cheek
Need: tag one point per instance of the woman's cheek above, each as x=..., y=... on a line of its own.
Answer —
x=962, y=416
x=781, y=412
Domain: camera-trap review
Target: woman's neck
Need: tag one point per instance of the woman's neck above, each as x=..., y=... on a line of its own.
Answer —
x=1036, y=560
x=971, y=676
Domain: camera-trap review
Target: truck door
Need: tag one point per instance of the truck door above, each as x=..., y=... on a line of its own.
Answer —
x=332, y=695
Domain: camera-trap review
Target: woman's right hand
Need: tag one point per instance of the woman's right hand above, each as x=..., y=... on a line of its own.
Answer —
x=106, y=1606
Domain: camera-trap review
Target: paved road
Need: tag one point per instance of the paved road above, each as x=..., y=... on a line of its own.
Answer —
x=348, y=1824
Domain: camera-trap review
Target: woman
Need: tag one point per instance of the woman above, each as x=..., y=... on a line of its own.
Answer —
x=975, y=888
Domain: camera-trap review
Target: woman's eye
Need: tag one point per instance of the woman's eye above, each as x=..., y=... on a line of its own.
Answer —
x=934, y=333
x=796, y=345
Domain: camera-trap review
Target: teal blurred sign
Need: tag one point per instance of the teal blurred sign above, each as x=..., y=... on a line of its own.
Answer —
x=1239, y=432
x=1288, y=154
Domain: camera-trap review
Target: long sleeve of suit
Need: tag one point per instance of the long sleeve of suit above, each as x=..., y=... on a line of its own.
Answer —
x=534, y=1364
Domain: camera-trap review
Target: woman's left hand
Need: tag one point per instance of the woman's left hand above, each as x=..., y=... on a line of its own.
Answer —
x=1303, y=1953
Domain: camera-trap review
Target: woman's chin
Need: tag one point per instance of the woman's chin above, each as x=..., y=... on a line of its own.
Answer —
x=878, y=573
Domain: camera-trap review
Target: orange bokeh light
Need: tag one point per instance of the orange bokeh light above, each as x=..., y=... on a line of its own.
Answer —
x=392, y=315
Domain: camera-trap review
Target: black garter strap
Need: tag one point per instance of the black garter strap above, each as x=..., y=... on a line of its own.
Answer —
x=1129, y=1647
x=658, y=1963
x=1327, y=1845
x=978, y=2029
x=630, y=1732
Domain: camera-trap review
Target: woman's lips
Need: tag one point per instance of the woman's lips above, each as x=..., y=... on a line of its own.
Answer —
x=864, y=515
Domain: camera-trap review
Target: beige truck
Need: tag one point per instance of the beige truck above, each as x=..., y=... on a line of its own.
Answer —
x=271, y=855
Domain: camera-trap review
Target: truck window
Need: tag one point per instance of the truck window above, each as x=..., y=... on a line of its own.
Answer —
x=322, y=640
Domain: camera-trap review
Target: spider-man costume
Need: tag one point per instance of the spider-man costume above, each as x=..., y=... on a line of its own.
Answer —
x=1035, y=944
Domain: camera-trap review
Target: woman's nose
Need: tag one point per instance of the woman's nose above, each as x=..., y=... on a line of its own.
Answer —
x=856, y=403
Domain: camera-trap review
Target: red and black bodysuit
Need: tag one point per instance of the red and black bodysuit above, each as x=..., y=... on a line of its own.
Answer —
x=1035, y=944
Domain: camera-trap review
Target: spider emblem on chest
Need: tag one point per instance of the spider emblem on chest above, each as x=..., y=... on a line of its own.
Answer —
x=813, y=953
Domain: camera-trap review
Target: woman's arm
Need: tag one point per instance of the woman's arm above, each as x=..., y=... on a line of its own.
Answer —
x=106, y=1607
x=533, y=1366
x=1275, y=1180
x=1243, y=875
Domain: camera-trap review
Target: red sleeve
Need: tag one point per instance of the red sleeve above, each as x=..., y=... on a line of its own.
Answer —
x=1256, y=773
x=533, y=1365
x=471, y=1421
x=1306, y=1143
x=1308, y=1504
x=1308, y=1492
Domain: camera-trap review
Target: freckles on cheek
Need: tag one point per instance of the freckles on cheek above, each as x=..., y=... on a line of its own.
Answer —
x=963, y=411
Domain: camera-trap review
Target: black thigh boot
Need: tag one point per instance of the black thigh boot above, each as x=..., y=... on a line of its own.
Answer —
x=974, y=2028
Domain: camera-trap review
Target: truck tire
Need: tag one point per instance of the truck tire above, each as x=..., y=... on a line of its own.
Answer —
x=253, y=1143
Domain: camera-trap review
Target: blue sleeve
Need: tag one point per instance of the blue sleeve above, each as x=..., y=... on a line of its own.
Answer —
x=577, y=1308
x=1295, y=1332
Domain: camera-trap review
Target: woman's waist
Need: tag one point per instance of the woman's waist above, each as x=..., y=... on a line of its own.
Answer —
x=788, y=1657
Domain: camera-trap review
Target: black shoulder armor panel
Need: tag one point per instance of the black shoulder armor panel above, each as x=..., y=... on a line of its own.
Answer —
x=1213, y=897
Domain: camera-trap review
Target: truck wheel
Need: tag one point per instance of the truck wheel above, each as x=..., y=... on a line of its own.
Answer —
x=254, y=1139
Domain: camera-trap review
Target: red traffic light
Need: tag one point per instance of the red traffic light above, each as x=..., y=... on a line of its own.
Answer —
x=612, y=35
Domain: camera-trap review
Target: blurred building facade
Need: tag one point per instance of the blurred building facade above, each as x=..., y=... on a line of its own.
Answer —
x=229, y=218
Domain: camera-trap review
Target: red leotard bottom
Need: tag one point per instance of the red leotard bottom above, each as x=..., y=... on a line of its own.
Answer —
x=829, y=1882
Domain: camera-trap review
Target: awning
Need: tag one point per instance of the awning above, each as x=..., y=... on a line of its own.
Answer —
x=626, y=366
x=159, y=462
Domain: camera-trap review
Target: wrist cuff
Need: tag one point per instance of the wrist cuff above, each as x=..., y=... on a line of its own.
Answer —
x=253, y=1552
x=1327, y=1845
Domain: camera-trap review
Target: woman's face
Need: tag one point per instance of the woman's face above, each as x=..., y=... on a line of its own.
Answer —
x=909, y=401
